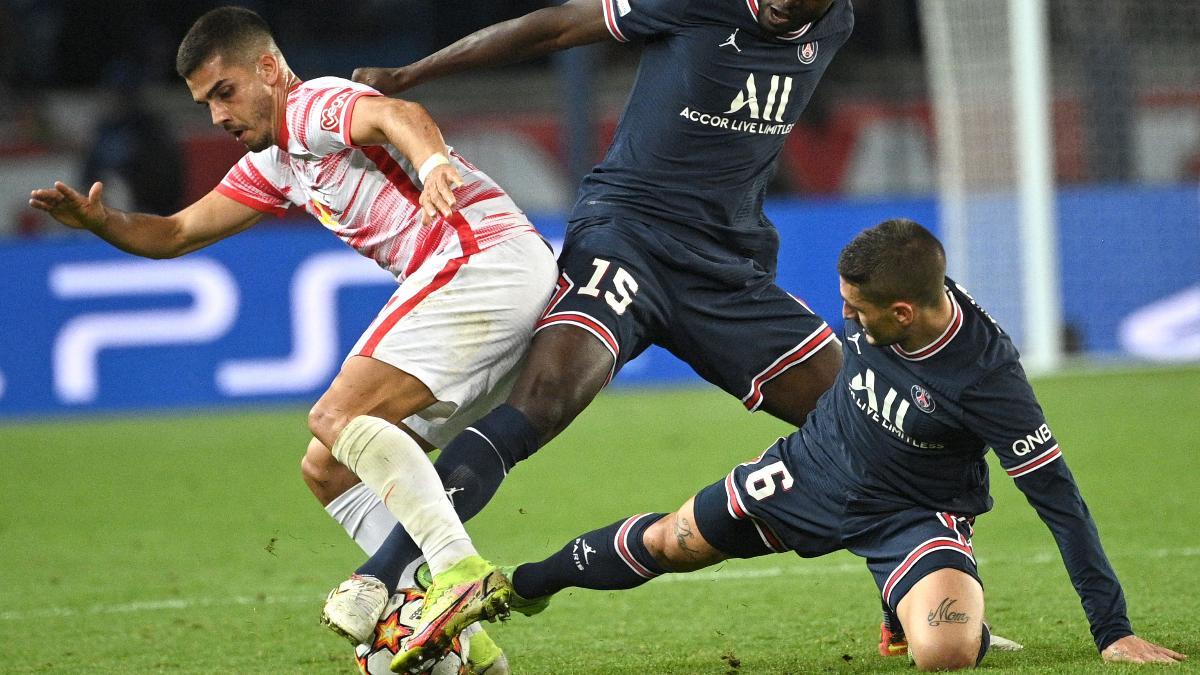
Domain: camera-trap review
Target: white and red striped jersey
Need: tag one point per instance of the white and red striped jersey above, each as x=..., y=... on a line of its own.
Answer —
x=366, y=195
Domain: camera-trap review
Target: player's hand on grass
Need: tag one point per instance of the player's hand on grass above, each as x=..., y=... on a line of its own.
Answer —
x=70, y=207
x=1133, y=649
x=438, y=195
x=384, y=80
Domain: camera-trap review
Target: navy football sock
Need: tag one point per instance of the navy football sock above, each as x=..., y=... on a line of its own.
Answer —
x=610, y=558
x=471, y=467
x=984, y=642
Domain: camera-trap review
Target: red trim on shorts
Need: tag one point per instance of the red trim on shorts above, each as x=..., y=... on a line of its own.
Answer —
x=587, y=323
x=768, y=535
x=584, y=321
x=440, y=279
x=935, y=544
x=819, y=338
x=610, y=20
x=736, y=509
x=564, y=285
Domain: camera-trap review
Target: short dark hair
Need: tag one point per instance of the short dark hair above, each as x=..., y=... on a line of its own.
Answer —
x=895, y=260
x=232, y=32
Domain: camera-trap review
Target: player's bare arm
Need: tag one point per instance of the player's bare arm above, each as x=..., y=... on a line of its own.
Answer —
x=208, y=220
x=578, y=22
x=408, y=127
x=1133, y=649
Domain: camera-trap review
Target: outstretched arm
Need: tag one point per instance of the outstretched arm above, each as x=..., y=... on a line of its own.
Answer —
x=1002, y=410
x=210, y=219
x=577, y=22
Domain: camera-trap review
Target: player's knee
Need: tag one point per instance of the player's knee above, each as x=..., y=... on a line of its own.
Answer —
x=325, y=477
x=317, y=462
x=326, y=422
x=936, y=655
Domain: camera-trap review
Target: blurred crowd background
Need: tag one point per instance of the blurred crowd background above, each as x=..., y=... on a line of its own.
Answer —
x=88, y=91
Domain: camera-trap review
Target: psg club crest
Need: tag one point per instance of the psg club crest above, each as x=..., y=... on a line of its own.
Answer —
x=922, y=398
x=807, y=52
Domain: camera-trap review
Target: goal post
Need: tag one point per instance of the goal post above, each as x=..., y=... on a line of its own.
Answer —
x=988, y=71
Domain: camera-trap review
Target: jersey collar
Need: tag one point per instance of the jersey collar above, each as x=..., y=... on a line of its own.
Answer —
x=794, y=35
x=956, y=322
x=284, y=137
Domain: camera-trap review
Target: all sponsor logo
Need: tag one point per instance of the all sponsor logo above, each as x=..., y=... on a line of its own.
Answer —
x=755, y=114
x=772, y=106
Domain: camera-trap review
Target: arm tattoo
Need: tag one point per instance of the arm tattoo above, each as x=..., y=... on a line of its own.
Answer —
x=944, y=613
x=683, y=530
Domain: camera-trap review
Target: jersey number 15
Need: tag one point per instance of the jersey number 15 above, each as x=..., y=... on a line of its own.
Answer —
x=624, y=285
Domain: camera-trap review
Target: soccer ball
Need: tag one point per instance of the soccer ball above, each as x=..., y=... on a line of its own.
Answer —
x=400, y=617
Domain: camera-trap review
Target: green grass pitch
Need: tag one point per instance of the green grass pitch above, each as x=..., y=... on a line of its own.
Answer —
x=188, y=543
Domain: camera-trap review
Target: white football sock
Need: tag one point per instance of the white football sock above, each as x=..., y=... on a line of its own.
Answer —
x=391, y=463
x=364, y=517
x=368, y=522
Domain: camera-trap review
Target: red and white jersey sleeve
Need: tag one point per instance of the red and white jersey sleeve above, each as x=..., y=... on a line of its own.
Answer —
x=368, y=196
x=258, y=181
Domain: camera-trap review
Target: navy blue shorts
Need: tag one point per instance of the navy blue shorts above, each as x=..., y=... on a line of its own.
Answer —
x=722, y=314
x=768, y=505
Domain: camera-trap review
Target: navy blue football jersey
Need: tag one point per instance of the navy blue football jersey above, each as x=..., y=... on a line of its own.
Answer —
x=713, y=102
x=905, y=429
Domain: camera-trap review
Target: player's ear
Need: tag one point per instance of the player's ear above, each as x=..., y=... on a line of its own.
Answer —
x=268, y=69
x=903, y=312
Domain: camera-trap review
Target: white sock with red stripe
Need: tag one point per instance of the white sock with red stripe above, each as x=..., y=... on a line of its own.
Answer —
x=392, y=465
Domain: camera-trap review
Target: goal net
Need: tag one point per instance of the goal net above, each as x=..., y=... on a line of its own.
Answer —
x=1068, y=147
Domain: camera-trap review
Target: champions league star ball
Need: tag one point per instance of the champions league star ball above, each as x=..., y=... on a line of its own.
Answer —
x=400, y=618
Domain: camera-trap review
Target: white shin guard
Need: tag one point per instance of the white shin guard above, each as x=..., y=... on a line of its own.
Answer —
x=392, y=465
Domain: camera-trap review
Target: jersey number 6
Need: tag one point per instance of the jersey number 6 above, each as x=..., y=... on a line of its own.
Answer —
x=622, y=282
x=760, y=484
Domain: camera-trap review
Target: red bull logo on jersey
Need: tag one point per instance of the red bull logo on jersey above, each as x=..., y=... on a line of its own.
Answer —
x=807, y=52
x=922, y=398
x=323, y=214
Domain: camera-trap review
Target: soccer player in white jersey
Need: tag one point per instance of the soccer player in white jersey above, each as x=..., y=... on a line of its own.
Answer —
x=377, y=173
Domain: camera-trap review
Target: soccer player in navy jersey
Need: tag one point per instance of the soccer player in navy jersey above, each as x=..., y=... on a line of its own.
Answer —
x=890, y=466
x=667, y=243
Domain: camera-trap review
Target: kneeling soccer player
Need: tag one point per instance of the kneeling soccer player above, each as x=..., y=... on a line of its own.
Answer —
x=890, y=466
